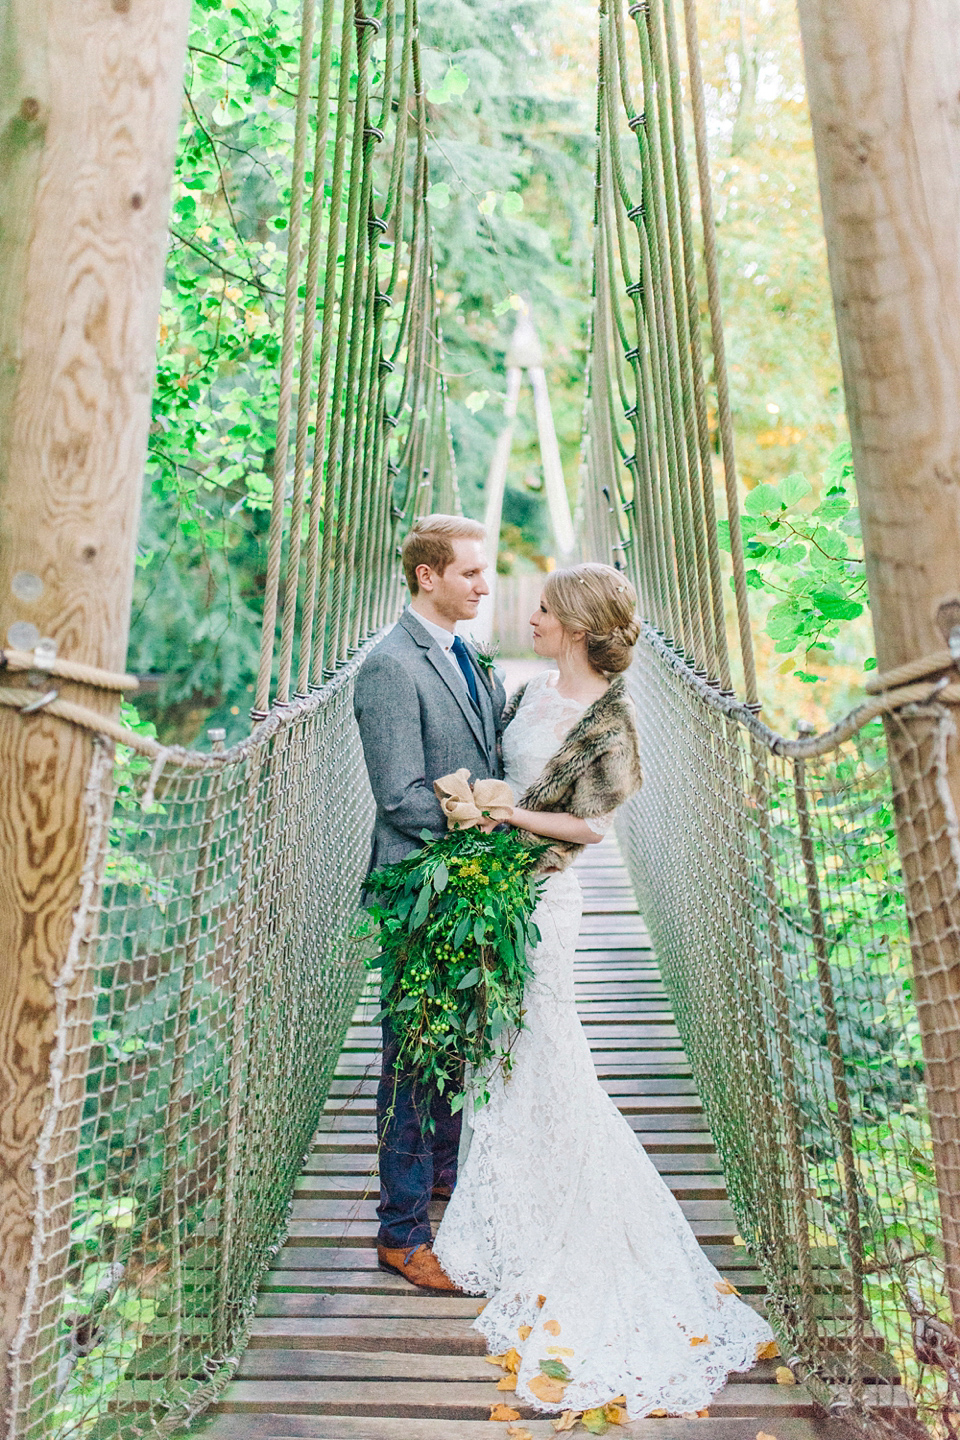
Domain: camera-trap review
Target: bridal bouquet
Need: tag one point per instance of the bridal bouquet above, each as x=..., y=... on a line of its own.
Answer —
x=455, y=924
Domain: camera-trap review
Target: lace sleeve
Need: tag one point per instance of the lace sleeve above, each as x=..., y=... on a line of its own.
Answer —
x=600, y=824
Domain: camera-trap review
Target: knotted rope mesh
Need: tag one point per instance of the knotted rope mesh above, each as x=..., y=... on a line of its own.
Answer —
x=211, y=973
x=780, y=904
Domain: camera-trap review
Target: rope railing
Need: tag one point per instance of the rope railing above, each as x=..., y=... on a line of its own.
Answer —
x=767, y=867
x=212, y=971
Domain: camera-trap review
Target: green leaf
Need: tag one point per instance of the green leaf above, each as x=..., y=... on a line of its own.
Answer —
x=471, y=978
x=409, y=1002
x=460, y=934
x=476, y=400
x=762, y=500
x=421, y=908
x=836, y=607
x=438, y=196
x=440, y=877
x=555, y=1369
x=870, y=664
x=595, y=1421
x=793, y=488
x=512, y=203
x=479, y=930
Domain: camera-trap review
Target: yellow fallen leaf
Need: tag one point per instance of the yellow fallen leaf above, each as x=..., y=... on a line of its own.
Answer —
x=524, y=1332
x=658, y=1414
x=739, y=1240
x=503, y=1412
x=509, y=1382
x=548, y=1390
x=482, y=1307
x=512, y=1360
x=724, y=1287
x=703, y=1414
x=494, y=1359
x=785, y=1376
x=541, y=1301
x=762, y=1435
x=552, y=1327
x=616, y=1414
x=560, y=1350
x=699, y=1339
x=768, y=1350
x=567, y=1420
x=519, y=1432
x=619, y=1400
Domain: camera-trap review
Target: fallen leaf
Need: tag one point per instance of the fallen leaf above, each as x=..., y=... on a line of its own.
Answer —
x=762, y=1435
x=494, y=1359
x=618, y=1400
x=524, y=1332
x=560, y=1350
x=512, y=1360
x=567, y=1420
x=552, y=1327
x=509, y=1382
x=556, y=1370
x=768, y=1350
x=703, y=1414
x=616, y=1414
x=739, y=1240
x=547, y=1390
x=658, y=1414
x=785, y=1376
x=503, y=1412
x=595, y=1421
x=725, y=1288
x=541, y=1301
x=483, y=1307
x=519, y=1432
x=699, y=1339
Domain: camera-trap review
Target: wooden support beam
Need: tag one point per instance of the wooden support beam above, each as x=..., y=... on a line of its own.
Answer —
x=89, y=99
x=885, y=102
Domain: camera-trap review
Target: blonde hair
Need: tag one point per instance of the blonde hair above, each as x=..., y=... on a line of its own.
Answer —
x=430, y=542
x=601, y=602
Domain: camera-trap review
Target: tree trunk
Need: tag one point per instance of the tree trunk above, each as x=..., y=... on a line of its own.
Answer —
x=89, y=99
x=886, y=121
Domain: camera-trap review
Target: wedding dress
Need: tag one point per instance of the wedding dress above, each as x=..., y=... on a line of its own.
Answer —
x=558, y=1215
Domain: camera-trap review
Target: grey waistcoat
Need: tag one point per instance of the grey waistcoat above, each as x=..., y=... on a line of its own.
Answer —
x=417, y=722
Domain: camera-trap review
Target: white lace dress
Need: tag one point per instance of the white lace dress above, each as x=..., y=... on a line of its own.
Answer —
x=557, y=1198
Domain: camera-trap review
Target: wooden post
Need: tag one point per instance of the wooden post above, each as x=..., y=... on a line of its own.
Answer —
x=884, y=89
x=90, y=93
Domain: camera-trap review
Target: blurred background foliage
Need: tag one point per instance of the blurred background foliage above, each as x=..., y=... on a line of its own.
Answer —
x=511, y=102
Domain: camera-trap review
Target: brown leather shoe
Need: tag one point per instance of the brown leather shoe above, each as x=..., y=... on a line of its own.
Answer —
x=420, y=1266
x=441, y=1192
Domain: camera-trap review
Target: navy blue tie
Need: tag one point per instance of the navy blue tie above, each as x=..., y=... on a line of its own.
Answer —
x=463, y=660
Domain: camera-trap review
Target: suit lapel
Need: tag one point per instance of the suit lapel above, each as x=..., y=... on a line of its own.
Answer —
x=489, y=717
x=442, y=666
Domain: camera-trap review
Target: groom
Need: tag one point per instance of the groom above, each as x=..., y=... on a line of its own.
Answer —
x=425, y=707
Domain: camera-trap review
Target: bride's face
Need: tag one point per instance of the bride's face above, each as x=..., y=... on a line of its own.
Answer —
x=550, y=638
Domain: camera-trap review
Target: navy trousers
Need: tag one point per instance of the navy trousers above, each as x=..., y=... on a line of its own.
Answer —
x=413, y=1158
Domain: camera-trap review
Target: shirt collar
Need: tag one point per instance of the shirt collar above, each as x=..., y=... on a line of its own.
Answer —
x=444, y=638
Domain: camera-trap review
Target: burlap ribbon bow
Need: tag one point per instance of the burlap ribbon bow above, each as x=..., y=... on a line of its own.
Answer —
x=465, y=805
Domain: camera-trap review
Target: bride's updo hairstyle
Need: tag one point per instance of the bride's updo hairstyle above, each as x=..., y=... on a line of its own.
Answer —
x=601, y=602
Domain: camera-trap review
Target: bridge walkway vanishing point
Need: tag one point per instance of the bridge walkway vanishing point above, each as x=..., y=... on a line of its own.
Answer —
x=342, y=1351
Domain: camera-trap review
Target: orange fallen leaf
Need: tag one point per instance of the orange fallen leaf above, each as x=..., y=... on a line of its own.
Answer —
x=785, y=1376
x=699, y=1339
x=512, y=1360
x=524, y=1332
x=519, y=1432
x=703, y=1414
x=541, y=1301
x=503, y=1412
x=658, y=1414
x=725, y=1288
x=616, y=1414
x=548, y=1390
x=768, y=1350
x=509, y=1382
x=482, y=1307
x=567, y=1420
x=552, y=1327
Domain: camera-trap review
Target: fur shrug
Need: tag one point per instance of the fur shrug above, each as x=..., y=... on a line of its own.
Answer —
x=596, y=768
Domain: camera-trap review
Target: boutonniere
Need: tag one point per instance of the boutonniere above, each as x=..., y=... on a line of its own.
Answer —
x=486, y=656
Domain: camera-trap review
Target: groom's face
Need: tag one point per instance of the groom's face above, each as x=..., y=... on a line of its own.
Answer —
x=456, y=594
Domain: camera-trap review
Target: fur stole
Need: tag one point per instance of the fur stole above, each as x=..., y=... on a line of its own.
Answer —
x=596, y=768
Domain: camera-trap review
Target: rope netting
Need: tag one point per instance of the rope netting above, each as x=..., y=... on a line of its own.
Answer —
x=211, y=972
x=782, y=880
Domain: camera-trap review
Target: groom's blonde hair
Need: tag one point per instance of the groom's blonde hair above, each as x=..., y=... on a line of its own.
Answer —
x=430, y=542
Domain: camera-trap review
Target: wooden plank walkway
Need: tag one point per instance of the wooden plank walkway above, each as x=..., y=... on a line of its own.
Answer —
x=342, y=1351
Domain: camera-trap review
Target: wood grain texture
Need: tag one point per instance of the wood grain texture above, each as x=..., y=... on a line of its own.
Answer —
x=89, y=101
x=885, y=104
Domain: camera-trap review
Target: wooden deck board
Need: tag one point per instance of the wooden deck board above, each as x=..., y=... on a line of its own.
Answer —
x=340, y=1350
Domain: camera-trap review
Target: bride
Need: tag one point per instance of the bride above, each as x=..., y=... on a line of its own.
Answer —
x=558, y=1215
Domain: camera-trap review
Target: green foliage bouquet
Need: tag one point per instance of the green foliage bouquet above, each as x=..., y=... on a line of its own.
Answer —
x=455, y=926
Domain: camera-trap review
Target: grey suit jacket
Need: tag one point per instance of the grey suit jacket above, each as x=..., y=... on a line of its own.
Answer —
x=417, y=722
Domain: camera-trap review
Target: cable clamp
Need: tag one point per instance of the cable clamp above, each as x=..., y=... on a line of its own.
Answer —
x=366, y=22
x=642, y=7
x=638, y=212
x=382, y=298
x=633, y=354
x=39, y=703
x=638, y=122
x=375, y=223
x=635, y=288
x=372, y=132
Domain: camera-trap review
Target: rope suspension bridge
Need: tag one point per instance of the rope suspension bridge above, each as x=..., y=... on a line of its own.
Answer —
x=179, y=924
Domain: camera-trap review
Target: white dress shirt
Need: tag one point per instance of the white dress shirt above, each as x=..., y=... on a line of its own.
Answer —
x=444, y=639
